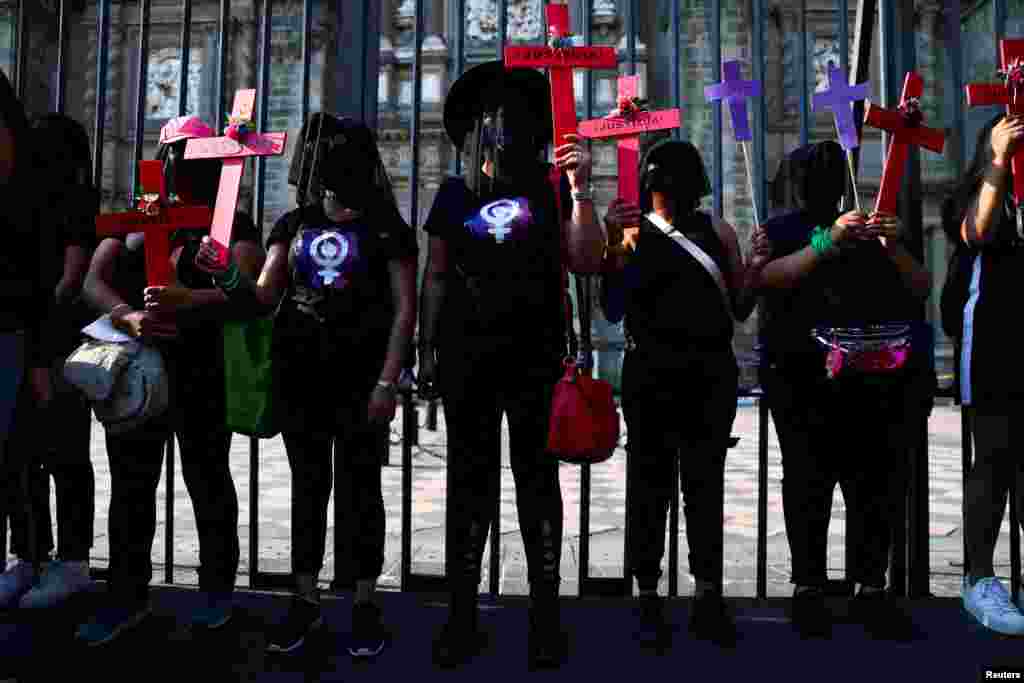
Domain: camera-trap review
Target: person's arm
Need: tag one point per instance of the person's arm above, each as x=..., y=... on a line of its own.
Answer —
x=914, y=275
x=981, y=223
x=99, y=293
x=585, y=236
x=403, y=288
x=209, y=302
x=787, y=271
x=745, y=277
x=431, y=303
x=76, y=265
x=247, y=297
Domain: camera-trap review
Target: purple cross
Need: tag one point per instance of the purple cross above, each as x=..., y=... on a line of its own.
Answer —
x=735, y=91
x=838, y=97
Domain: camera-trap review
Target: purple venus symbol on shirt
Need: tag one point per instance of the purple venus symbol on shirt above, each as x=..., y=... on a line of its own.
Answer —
x=734, y=91
x=838, y=97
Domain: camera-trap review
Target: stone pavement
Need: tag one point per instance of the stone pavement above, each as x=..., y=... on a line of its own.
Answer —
x=607, y=514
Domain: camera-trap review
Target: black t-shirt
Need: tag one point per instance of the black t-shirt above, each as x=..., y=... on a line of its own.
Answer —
x=505, y=264
x=861, y=286
x=71, y=228
x=339, y=301
x=670, y=298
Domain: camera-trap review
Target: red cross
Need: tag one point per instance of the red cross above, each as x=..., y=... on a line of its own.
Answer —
x=1009, y=94
x=905, y=127
x=156, y=220
x=560, y=62
x=233, y=152
x=627, y=129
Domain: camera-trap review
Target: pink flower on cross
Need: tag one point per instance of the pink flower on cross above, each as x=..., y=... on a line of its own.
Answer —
x=1013, y=74
x=628, y=107
x=238, y=128
x=911, y=110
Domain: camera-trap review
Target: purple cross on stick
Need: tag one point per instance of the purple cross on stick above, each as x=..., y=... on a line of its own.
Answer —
x=735, y=91
x=838, y=97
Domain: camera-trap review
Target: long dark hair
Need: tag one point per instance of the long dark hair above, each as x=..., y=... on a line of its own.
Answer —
x=64, y=158
x=955, y=205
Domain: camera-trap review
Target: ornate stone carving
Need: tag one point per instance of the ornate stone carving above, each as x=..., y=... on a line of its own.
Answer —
x=524, y=20
x=163, y=79
x=405, y=14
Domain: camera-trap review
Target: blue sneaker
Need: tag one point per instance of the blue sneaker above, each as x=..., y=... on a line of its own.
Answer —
x=15, y=582
x=989, y=603
x=110, y=622
x=215, y=612
x=59, y=582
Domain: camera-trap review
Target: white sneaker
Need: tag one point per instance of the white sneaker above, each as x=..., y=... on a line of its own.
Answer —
x=59, y=582
x=15, y=582
x=989, y=603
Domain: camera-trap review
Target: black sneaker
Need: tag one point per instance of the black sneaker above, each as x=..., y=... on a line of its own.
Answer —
x=710, y=620
x=882, y=618
x=546, y=642
x=459, y=641
x=811, y=618
x=654, y=632
x=302, y=619
x=367, y=631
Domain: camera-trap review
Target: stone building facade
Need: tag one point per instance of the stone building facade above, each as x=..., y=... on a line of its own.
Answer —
x=525, y=25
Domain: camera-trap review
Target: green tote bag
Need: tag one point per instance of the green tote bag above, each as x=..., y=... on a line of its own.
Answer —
x=251, y=401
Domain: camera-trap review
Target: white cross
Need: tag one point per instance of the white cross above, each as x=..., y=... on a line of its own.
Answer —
x=500, y=232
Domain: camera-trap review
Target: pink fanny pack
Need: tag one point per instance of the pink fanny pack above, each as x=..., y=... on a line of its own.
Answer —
x=872, y=350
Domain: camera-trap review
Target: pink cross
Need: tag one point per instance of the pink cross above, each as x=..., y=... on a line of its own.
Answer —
x=560, y=59
x=627, y=126
x=238, y=144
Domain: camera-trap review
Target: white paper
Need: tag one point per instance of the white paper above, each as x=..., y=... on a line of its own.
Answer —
x=103, y=329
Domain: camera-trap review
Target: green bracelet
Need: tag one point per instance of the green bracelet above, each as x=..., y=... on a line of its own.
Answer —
x=229, y=280
x=821, y=241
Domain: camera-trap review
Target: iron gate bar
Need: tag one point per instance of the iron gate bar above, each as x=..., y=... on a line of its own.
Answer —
x=307, y=27
x=62, y=46
x=169, y=513
x=102, y=55
x=20, y=53
x=256, y=577
x=715, y=20
x=760, y=110
x=186, y=56
x=677, y=65
x=140, y=98
x=763, y=416
x=460, y=66
x=998, y=24
x=805, y=114
x=503, y=27
x=222, y=62
x=957, y=69
x=865, y=29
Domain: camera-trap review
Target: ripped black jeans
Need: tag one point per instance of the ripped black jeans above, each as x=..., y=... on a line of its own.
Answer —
x=475, y=393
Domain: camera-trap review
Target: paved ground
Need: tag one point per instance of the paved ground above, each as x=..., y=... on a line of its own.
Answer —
x=607, y=513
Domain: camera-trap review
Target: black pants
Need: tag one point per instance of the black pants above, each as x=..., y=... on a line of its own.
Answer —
x=477, y=388
x=677, y=407
x=359, y=504
x=196, y=417
x=832, y=431
x=60, y=448
x=998, y=437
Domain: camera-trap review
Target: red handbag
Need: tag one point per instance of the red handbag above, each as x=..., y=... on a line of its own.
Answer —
x=584, y=425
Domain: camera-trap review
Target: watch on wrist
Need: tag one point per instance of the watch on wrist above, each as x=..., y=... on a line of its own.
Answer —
x=389, y=387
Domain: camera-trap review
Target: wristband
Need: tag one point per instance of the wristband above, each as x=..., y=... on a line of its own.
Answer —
x=229, y=280
x=821, y=241
x=387, y=386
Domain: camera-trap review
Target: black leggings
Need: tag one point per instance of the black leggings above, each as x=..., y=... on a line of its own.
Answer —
x=998, y=437
x=475, y=394
x=839, y=431
x=682, y=408
x=359, y=504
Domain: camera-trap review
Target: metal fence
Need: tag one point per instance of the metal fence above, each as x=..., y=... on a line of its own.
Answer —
x=358, y=40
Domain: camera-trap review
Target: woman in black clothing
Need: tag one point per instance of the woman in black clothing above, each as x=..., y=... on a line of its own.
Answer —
x=184, y=322
x=979, y=219
x=66, y=219
x=25, y=303
x=493, y=321
x=679, y=378
x=342, y=270
x=848, y=281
